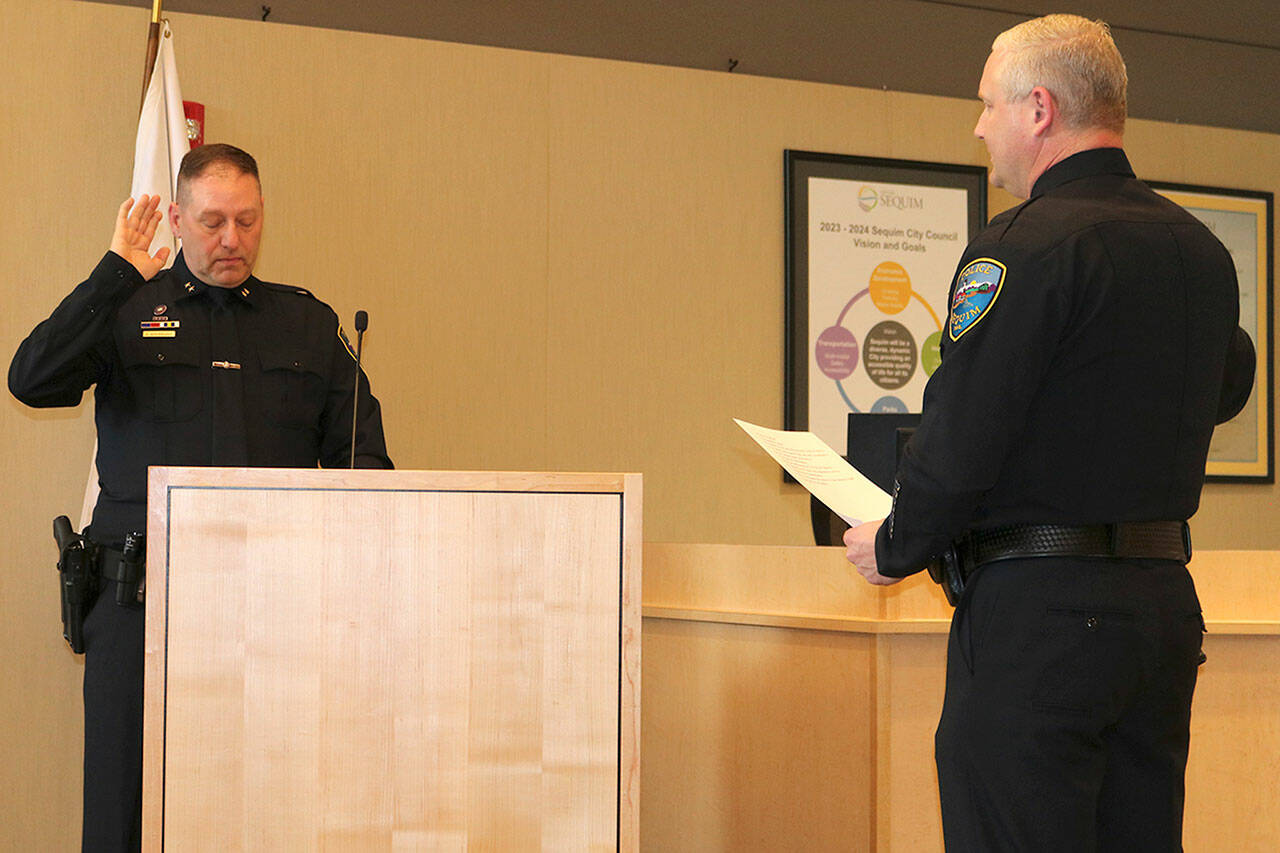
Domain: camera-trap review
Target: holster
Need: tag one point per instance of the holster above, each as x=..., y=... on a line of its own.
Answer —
x=77, y=580
x=82, y=567
x=950, y=572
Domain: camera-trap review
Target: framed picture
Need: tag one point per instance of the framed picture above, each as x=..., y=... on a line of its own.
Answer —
x=871, y=247
x=1242, y=450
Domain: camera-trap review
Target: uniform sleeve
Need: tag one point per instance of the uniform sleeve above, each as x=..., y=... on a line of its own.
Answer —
x=71, y=350
x=335, y=442
x=1237, y=377
x=1008, y=313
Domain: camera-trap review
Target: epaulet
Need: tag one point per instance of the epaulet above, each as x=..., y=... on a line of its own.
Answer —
x=288, y=288
x=1004, y=219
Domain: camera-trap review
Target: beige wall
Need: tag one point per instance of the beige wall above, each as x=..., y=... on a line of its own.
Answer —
x=569, y=264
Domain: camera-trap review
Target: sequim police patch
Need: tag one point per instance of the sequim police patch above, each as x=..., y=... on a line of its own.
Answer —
x=977, y=288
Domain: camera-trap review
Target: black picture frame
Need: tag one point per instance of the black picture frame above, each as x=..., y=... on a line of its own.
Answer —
x=798, y=168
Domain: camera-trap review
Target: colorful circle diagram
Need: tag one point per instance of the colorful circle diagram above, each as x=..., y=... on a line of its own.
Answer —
x=889, y=352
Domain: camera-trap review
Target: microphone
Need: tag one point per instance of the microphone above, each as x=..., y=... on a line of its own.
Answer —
x=362, y=323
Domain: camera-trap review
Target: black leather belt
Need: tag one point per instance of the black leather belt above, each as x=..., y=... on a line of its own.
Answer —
x=1157, y=540
x=109, y=560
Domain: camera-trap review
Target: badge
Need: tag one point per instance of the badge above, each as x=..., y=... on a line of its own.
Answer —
x=160, y=309
x=977, y=288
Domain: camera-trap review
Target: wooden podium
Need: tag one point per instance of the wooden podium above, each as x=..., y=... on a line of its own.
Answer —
x=392, y=660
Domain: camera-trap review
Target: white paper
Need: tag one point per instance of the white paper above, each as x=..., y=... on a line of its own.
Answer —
x=822, y=471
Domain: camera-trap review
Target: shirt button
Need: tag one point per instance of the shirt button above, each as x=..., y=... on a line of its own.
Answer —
x=159, y=356
x=1091, y=623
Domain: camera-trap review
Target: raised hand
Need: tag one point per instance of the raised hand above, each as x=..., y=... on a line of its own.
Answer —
x=135, y=229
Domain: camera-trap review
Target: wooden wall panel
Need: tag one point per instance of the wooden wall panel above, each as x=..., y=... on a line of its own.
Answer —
x=743, y=676
x=731, y=761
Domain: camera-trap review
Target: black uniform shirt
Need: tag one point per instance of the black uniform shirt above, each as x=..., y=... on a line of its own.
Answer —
x=189, y=374
x=1082, y=367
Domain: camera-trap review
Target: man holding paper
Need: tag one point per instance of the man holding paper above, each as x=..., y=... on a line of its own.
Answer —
x=1090, y=349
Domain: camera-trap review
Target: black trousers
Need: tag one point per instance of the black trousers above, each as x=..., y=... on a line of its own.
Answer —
x=1068, y=704
x=113, y=664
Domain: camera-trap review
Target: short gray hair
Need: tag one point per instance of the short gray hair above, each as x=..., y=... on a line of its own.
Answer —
x=1075, y=60
x=197, y=161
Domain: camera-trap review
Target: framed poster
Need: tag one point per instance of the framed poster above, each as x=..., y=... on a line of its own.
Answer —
x=1242, y=450
x=871, y=247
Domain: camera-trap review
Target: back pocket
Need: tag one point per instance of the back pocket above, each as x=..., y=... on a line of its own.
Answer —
x=1091, y=660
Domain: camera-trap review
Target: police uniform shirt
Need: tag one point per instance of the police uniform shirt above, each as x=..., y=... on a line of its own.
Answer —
x=188, y=374
x=1082, y=367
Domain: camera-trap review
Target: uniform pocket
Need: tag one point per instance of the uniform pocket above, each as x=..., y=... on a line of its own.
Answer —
x=165, y=376
x=973, y=617
x=1091, y=660
x=293, y=386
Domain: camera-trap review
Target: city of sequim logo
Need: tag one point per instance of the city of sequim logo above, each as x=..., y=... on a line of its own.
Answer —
x=869, y=198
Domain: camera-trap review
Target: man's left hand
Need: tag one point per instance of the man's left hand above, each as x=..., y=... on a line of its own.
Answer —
x=860, y=544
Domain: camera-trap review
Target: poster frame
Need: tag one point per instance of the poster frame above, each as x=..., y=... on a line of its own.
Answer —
x=798, y=167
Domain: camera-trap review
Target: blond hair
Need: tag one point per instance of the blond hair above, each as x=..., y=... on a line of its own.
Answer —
x=1075, y=60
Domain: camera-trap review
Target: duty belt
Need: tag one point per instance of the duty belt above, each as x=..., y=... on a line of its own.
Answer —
x=1157, y=540
x=111, y=565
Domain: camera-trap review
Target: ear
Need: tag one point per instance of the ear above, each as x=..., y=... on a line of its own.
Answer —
x=175, y=219
x=1043, y=110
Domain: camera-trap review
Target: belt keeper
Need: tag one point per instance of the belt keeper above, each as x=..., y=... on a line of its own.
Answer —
x=1113, y=540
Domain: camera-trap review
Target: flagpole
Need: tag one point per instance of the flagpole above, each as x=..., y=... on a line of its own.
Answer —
x=153, y=47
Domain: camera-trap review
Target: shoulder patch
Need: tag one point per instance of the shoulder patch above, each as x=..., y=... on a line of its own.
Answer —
x=346, y=342
x=977, y=288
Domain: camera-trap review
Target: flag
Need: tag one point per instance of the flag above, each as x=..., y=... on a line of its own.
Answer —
x=162, y=140
x=157, y=153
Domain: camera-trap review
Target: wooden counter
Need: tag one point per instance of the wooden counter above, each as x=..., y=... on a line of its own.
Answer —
x=789, y=705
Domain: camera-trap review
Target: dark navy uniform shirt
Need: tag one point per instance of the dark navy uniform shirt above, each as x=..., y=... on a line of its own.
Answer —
x=189, y=374
x=1082, y=370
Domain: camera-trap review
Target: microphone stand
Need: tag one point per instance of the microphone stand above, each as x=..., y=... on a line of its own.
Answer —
x=362, y=323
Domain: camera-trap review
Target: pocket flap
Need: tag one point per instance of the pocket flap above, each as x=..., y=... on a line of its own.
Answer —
x=158, y=352
x=296, y=360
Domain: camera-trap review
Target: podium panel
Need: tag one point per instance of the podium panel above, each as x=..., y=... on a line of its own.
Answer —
x=385, y=660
